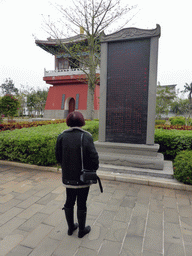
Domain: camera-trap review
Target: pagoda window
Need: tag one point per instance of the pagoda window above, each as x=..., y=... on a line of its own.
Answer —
x=74, y=63
x=63, y=63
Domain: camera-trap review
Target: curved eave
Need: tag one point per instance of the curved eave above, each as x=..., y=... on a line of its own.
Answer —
x=50, y=48
x=54, y=46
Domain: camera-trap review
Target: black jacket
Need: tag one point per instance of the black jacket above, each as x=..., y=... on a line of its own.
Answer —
x=68, y=154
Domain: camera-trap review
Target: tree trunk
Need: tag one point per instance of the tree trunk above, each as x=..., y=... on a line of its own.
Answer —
x=90, y=103
x=91, y=80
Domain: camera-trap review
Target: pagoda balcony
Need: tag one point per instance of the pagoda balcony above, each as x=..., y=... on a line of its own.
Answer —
x=66, y=72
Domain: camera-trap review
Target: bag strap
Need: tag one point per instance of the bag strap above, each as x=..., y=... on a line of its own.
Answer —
x=100, y=184
x=82, y=151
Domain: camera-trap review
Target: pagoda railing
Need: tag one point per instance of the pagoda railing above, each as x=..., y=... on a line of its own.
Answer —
x=66, y=72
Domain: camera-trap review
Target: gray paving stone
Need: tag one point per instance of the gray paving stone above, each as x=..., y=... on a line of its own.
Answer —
x=133, y=190
x=110, y=248
x=51, y=207
x=127, y=217
x=9, y=226
x=188, y=249
x=129, y=201
x=186, y=222
x=143, y=200
x=26, y=195
x=82, y=251
x=46, y=199
x=68, y=246
x=123, y=214
x=172, y=233
x=170, y=202
x=36, y=236
x=132, y=245
x=173, y=249
x=185, y=211
x=7, y=206
x=140, y=209
x=28, y=202
x=151, y=253
x=106, y=218
x=171, y=215
x=20, y=251
x=95, y=208
x=137, y=226
x=8, y=243
x=156, y=205
x=144, y=193
x=103, y=198
x=183, y=201
x=113, y=204
x=5, y=217
x=155, y=220
x=33, y=222
x=30, y=211
x=154, y=240
x=55, y=218
x=169, y=193
x=60, y=231
x=119, y=194
x=45, y=248
x=95, y=238
x=116, y=232
x=17, y=231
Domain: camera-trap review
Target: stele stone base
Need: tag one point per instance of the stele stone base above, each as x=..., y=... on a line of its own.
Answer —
x=132, y=155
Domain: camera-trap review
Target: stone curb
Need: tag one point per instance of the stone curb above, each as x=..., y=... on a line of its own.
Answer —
x=114, y=176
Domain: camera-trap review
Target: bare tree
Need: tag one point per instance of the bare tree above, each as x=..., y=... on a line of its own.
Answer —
x=93, y=17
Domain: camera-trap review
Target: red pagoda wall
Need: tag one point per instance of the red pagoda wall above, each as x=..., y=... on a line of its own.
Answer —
x=54, y=98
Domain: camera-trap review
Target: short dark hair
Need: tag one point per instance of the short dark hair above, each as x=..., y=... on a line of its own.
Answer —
x=75, y=119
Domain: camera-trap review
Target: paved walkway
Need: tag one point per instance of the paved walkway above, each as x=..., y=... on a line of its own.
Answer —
x=127, y=219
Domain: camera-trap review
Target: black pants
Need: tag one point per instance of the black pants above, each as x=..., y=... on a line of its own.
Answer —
x=80, y=194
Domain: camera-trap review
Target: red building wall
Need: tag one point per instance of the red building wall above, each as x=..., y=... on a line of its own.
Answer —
x=63, y=89
x=54, y=98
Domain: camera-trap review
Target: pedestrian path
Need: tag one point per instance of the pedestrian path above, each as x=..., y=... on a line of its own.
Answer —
x=127, y=219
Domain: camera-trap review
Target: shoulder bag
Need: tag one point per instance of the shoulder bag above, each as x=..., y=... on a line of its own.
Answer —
x=88, y=176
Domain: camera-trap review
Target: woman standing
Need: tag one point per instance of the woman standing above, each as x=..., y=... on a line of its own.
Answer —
x=68, y=154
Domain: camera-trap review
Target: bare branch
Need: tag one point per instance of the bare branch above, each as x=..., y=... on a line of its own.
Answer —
x=94, y=16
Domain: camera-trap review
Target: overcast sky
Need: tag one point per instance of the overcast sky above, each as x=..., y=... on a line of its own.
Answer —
x=24, y=62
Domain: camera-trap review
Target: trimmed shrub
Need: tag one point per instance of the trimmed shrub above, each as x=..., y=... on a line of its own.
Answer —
x=183, y=167
x=25, y=124
x=173, y=127
x=36, y=145
x=157, y=122
x=173, y=141
x=177, y=120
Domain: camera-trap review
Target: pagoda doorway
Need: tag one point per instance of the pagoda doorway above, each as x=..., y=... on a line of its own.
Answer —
x=71, y=105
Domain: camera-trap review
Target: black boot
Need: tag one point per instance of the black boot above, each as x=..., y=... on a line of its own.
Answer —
x=70, y=220
x=81, y=216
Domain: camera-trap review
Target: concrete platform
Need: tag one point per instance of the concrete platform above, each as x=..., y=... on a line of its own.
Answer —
x=167, y=171
x=131, y=155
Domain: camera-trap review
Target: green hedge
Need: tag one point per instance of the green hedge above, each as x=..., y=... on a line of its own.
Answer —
x=180, y=120
x=173, y=141
x=160, y=122
x=183, y=167
x=36, y=145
